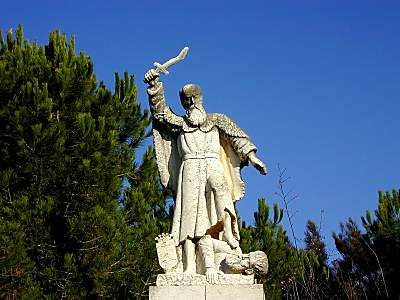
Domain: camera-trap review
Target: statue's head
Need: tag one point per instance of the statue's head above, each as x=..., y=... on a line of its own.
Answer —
x=259, y=262
x=191, y=96
x=192, y=102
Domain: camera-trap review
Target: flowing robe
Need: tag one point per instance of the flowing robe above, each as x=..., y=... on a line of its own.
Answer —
x=201, y=164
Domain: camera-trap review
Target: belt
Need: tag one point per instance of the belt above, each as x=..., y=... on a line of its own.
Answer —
x=200, y=155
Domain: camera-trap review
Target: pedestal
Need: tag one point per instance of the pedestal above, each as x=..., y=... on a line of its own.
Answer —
x=195, y=287
x=208, y=292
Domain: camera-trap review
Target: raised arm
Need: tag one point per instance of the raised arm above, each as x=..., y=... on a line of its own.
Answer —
x=158, y=105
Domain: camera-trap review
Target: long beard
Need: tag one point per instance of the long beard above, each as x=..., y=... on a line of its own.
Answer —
x=196, y=116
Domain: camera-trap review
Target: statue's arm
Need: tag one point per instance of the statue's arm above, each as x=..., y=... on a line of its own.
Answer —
x=247, y=152
x=243, y=146
x=240, y=141
x=158, y=105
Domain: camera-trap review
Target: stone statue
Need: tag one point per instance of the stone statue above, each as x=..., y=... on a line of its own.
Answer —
x=199, y=157
x=219, y=256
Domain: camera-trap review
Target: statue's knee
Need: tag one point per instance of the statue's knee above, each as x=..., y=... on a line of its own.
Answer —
x=218, y=184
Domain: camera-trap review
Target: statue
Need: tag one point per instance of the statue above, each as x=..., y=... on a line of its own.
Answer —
x=199, y=157
x=217, y=255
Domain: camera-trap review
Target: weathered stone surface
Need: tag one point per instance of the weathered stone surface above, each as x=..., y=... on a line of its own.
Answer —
x=199, y=156
x=208, y=292
x=229, y=292
x=195, y=292
x=166, y=251
x=182, y=279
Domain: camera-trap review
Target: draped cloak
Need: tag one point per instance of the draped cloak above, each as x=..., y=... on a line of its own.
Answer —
x=234, y=145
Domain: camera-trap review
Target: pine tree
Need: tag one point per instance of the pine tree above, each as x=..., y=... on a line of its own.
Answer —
x=314, y=243
x=269, y=236
x=144, y=203
x=68, y=229
x=370, y=260
x=318, y=283
x=293, y=273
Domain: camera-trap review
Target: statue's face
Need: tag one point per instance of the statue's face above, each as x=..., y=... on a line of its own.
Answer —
x=187, y=102
x=190, y=96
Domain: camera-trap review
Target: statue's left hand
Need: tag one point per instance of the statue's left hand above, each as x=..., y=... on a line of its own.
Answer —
x=211, y=275
x=257, y=163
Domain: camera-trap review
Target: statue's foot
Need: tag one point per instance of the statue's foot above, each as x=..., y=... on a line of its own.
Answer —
x=230, y=239
x=190, y=270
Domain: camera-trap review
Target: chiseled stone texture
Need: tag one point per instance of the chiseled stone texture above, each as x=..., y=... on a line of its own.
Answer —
x=229, y=292
x=182, y=279
x=194, y=292
x=208, y=292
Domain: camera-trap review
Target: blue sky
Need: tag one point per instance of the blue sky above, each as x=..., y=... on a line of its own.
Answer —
x=314, y=83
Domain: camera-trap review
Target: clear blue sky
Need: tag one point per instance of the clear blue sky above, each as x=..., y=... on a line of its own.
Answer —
x=316, y=84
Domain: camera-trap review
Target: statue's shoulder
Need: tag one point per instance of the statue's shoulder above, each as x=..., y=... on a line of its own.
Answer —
x=225, y=124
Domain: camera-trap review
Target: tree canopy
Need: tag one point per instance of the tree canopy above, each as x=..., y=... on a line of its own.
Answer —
x=79, y=209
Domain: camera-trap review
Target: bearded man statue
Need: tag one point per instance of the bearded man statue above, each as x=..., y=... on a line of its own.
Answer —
x=199, y=157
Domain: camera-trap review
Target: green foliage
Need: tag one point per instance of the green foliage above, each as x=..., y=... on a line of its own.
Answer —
x=78, y=213
x=314, y=244
x=144, y=204
x=269, y=236
x=370, y=260
x=293, y=273
x=66, y=145
x=316, y=280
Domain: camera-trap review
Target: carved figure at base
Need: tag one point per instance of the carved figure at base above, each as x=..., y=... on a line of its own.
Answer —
x=199, y=157
x=217, y=257
x=214, y=257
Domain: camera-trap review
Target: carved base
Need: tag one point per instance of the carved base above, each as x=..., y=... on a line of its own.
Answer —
x=179, y=279
x=207, y=292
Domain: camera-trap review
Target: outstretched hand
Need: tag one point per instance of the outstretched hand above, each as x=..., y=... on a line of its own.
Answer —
x=257, y=163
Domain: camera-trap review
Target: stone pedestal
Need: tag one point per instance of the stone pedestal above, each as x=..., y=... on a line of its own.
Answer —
x=180, y=286
x=179, y=279
x=208, y=292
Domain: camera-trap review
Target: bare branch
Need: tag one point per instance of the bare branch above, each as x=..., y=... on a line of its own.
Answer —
x=284, y=196
x=92, y=240
x=379, y=264
x=88, y=249
x=117, y=262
